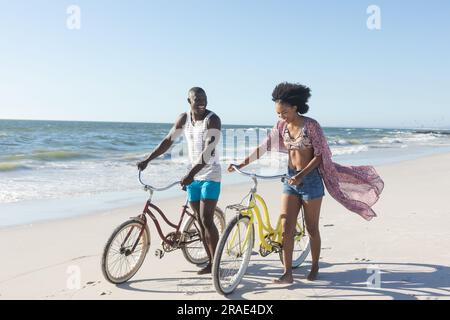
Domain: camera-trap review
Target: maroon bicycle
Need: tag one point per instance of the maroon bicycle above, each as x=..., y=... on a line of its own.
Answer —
x=128, y=245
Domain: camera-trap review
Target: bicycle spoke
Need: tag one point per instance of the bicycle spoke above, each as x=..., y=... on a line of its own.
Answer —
x=113, y=265
x=134, y=258
x=128, y=264
x=118, y=268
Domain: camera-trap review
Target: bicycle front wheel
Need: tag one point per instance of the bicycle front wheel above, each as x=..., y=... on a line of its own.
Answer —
x=125, y=251
x=233, y=254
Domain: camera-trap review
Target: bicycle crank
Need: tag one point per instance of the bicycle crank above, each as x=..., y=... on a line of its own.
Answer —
x=276, y=247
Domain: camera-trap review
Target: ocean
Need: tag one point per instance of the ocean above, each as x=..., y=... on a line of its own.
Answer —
x=70, y=167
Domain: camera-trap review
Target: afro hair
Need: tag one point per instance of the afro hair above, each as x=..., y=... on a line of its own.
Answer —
x=293, y=94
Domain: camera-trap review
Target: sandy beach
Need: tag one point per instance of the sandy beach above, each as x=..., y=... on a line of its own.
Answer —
x=405, y=249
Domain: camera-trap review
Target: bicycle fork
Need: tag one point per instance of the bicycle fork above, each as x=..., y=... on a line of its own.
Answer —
x=127, y=252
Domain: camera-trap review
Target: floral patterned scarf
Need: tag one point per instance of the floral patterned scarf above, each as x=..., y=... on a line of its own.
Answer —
x=357, y=188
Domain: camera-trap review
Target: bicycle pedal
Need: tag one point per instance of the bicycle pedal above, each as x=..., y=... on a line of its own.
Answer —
x=159, y=253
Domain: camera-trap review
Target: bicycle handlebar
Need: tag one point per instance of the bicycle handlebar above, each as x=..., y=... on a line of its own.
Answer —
x=155, y=188
x=253, y=175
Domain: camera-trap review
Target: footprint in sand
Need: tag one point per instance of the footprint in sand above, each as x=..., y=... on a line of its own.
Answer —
x=92, y=283
x=107, y=293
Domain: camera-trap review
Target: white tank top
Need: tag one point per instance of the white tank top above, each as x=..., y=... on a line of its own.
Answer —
x=195, y=137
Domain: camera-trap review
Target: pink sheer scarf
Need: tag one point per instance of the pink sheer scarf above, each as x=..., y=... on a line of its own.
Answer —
x=357, y=188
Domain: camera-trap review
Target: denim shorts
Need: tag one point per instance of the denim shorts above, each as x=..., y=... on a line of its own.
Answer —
x=203, y=190
x=311, y=187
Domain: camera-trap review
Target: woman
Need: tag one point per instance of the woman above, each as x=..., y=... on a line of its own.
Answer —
x=309, y=167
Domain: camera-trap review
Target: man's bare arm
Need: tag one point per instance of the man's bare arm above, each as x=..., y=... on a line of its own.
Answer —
x=167, y=142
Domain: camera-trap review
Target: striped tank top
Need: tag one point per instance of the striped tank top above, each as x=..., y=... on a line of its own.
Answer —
x=195, y=134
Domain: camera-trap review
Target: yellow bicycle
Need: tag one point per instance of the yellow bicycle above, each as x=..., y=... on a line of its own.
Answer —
x=234, y=248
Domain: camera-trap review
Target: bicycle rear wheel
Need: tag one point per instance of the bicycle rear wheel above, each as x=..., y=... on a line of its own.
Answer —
x=125, y=251
x=233, y=254
x=195, y=252
x=301, y=243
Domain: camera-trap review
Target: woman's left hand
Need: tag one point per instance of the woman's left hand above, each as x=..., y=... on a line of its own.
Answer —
x=295, y=180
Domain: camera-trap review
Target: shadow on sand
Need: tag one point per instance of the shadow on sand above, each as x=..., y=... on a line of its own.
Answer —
x=404, y=281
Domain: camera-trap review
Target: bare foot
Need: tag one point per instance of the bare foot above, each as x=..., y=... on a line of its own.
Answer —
x=205, y=270
x=313, y=273
x=285, y=278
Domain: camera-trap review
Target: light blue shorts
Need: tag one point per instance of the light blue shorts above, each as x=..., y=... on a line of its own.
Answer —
x=203, y=190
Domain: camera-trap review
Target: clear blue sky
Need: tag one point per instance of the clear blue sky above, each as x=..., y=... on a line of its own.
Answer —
x=136, y=60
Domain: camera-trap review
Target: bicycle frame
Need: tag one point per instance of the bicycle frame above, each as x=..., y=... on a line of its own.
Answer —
x=265, y=230
x=147, y=211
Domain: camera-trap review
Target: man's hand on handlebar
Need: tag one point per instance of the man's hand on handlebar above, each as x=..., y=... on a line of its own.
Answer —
x=142, y=165
x=186, y=180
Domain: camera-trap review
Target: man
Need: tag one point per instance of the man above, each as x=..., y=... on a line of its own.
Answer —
x=202, y=131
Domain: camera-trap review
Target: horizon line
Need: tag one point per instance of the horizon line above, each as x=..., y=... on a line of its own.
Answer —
x=228, y=124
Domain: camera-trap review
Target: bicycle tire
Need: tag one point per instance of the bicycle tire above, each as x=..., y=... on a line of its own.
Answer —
x=217, y=271
x=301, y=245
x=107, y=251
x=195, y=252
